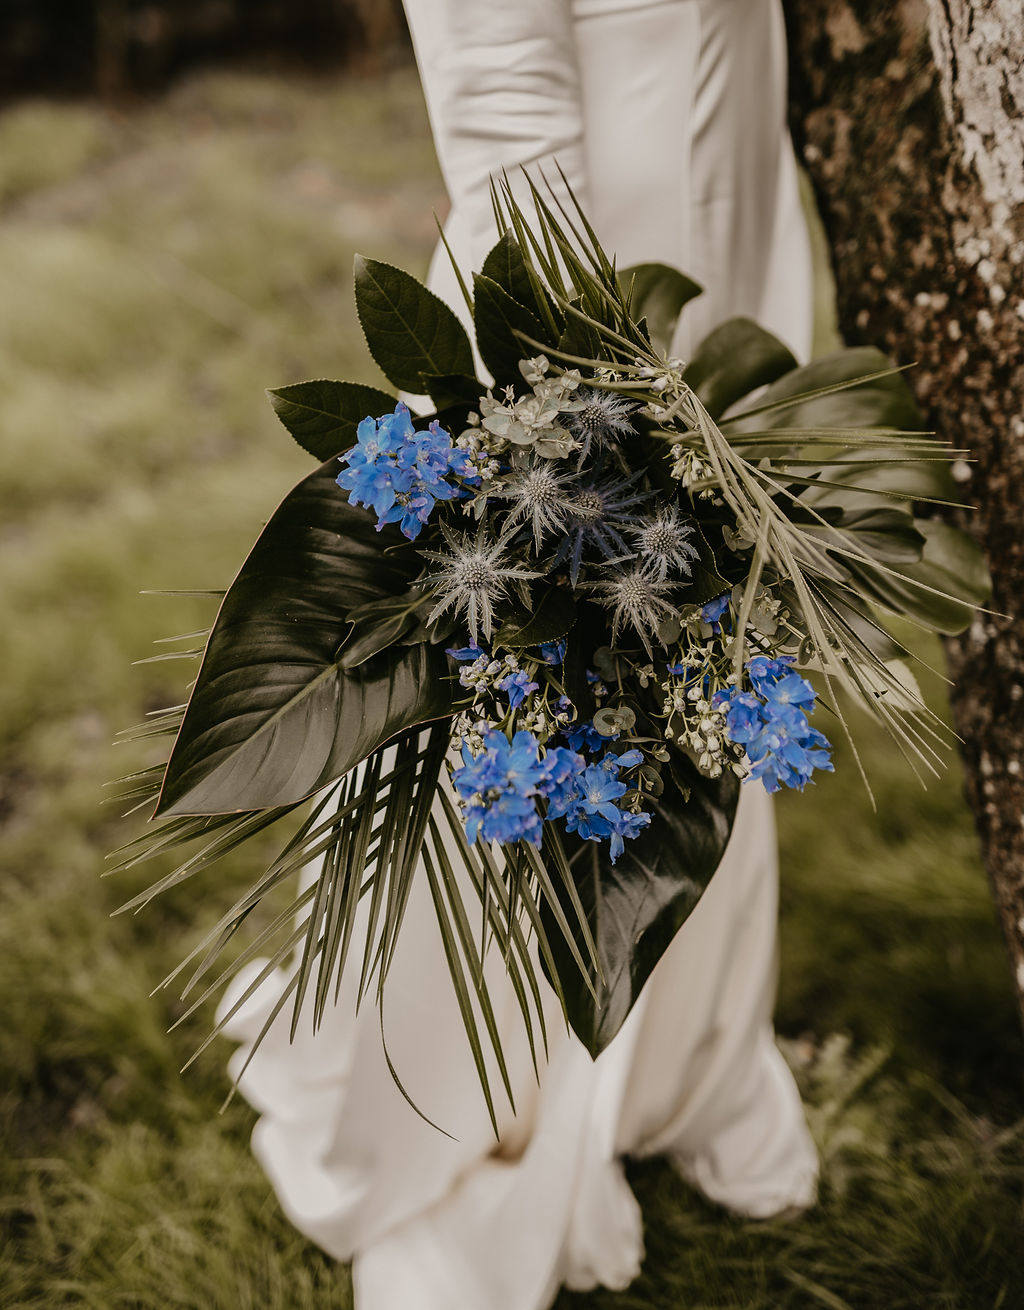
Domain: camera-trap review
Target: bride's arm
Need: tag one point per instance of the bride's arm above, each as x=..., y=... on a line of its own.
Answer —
x=502, y=88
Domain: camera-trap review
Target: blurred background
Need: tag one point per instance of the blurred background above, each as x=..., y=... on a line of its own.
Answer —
x=182, y=189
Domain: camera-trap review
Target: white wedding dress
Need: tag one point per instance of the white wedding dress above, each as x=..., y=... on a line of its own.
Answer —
x=668, y=120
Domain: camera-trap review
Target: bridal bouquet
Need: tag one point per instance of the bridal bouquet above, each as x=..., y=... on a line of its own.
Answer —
x=529, y=645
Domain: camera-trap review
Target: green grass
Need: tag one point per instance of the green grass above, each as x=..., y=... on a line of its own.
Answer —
x=158, y=271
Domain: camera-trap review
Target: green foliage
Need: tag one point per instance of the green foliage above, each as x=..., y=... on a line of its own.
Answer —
x=410, y=331
x=323, y=416
x=275, y=715
x=656, y=295
x=733, y=360
x=636, y=906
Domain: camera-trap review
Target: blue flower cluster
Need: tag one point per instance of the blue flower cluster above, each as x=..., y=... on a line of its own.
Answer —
x=400, y=473
x=587, y=798
x=771, y=724
x=499, y=786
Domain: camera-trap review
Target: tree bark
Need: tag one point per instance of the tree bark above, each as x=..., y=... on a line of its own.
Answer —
x=910, y=120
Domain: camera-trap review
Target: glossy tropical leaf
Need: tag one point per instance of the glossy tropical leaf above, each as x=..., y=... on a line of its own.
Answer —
x=323, y=416
x=734, y=360
x=951, y=564
x=881, y=401
x=409, y=330
x=497, y=318
x=658, y=293
x=274, y=716
x=451, y=389
x=636, y=906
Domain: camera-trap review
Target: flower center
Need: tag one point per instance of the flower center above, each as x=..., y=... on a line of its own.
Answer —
x=588, y=506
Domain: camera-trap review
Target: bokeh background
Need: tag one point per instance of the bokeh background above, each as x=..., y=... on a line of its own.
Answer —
x=182, y=189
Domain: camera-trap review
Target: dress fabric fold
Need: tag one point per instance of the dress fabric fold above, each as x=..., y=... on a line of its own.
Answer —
x=667, y=118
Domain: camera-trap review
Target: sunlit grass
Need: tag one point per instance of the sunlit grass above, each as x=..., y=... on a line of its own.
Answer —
x=158, y=272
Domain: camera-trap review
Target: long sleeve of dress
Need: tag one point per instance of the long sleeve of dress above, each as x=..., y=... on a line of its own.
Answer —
x=502, y=86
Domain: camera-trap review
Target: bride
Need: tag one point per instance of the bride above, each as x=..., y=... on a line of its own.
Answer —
x=667, y=118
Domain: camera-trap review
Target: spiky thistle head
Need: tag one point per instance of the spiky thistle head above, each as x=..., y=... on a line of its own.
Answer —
x=474, y=574
x=597, y=417
x=636, y=599
x=663, y=542
x=538, y=495
x=600, y=509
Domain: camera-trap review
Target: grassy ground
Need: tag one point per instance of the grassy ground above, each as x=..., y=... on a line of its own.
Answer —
x=158, y=271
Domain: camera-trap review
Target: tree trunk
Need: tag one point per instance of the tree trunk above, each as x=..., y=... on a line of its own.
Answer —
x=910, y=120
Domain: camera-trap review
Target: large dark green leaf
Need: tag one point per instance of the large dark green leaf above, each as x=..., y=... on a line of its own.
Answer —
x=734, y=360
x=323, y=416
x=505, y=266
x=884, y=402
x=409, y=330
x=951, y=563
x=636, y=906
x=497, y=318
x=274, y=716
x=659, y=293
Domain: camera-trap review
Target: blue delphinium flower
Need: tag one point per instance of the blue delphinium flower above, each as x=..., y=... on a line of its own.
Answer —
x=770, y=722
x=583, y=736
x=587, y=803
x=516, y=687
x=553, y=652
x=400, y=473
x=500, y=785
x=714, y=609
x=463, y=653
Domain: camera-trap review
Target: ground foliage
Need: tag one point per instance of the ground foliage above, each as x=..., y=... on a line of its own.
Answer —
x=154, y=268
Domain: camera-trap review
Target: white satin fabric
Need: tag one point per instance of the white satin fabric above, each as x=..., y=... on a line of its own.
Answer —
x=667, y=118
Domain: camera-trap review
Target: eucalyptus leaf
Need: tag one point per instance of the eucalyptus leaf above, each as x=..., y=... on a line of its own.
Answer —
x=274, y=715
x=323, y=416
x=734, y=360
x=409, y=330
x=658, y=293
x=637, y=905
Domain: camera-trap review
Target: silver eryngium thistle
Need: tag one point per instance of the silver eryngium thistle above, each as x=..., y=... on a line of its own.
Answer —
x=663, y=543
x=474, y=575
